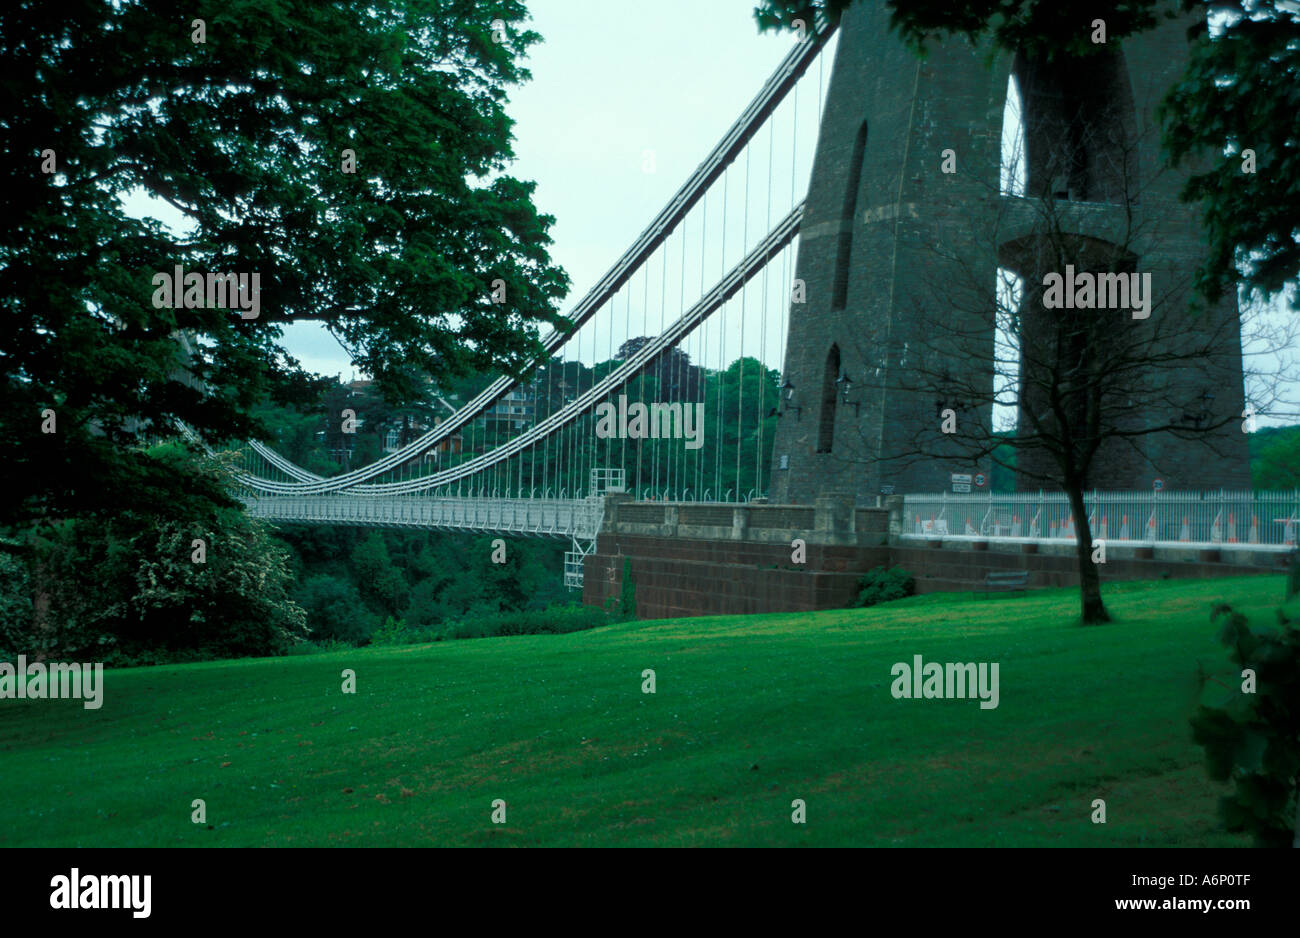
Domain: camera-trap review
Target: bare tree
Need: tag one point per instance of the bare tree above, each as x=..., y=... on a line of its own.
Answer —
x=1080, y=388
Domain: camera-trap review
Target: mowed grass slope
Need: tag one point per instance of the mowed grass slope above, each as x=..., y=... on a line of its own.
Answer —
x=750, y=713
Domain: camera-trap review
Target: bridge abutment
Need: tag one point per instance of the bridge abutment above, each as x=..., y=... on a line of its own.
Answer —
x=696, y=559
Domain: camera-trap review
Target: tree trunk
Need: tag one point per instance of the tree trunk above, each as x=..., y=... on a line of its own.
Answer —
x=1296, y=842
x=1092, y=609
x=43, y=633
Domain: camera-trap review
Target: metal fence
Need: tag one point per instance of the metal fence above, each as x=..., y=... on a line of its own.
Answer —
x=1222, y=517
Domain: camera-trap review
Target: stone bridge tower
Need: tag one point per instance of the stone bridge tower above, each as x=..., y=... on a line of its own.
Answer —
x=892, y=247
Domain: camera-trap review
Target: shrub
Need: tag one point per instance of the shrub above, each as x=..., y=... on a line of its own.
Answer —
x=380, y=581
x=1249, y=734
x=554, y=620
x=127, y=590
x=881, y=585
x=627, y=599
x=321, y=647
x=397, y=632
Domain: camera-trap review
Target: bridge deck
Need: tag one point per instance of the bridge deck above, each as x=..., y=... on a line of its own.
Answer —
x=568, y=518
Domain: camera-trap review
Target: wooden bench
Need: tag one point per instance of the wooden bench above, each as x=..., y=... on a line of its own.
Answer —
x=1009, y=582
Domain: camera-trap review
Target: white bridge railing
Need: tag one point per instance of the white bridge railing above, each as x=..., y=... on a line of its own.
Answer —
x=573, y=518
x=1267, y=519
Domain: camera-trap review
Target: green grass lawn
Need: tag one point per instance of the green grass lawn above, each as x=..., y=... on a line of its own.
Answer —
x=750, y=713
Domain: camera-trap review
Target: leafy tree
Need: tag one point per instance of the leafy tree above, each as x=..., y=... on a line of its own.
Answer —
x=1240, y=93
x=488, y=587
x=422, y=577
x=381, y=582
x=340, y=445
x=739, y=414
x=426, y=606
x=335, y=609
x=293, y=434
x=675, y=378
x=1003, y=476
x=246, y=134
x=319, y=548
x=1275, y=458
x=137, y=587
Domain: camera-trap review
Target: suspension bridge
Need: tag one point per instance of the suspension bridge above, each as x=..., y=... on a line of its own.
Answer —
x=789, y=261
x=704, y=287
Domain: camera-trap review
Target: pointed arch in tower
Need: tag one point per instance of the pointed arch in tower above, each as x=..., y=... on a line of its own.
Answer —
x=826, y=419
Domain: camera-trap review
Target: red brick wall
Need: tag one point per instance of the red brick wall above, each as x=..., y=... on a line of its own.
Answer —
x=938, y=571
x=676, y=577
x=680, y=577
